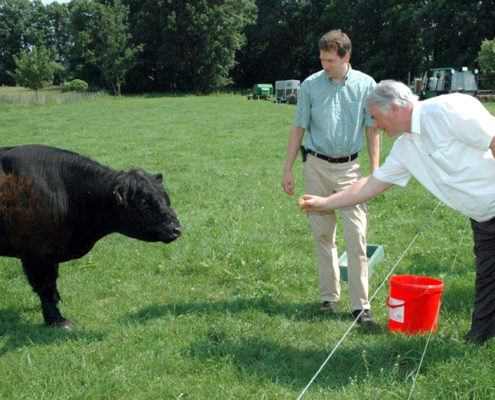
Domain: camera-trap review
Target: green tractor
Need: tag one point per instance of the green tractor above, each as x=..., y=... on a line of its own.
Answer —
x=261, y=91
x=437, y=81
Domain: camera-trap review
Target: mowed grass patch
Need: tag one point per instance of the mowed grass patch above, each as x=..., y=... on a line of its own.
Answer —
x=228, y=310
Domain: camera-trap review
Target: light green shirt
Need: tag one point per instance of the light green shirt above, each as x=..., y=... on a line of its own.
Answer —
x=334, y=114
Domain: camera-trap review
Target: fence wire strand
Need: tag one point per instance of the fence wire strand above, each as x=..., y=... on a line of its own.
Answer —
x=438, y=312
x=421, y=229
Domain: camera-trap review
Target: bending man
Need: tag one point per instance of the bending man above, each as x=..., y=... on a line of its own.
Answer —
x=448, y=145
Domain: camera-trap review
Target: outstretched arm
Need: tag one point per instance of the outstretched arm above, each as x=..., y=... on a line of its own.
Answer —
x=363, y=190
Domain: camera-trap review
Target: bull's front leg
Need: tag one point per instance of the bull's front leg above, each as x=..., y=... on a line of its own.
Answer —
x=42, y=275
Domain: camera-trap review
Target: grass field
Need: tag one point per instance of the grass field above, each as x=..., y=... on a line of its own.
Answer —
x=228, y=310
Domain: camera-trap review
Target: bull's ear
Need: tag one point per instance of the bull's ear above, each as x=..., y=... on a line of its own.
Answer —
x=159, y=177
x=118, y=194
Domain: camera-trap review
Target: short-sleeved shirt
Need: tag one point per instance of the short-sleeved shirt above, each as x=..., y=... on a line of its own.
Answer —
x=334, y=114
x=448, y=152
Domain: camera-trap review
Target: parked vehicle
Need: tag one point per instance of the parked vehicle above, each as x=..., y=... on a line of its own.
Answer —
x=437, y=81
x=287, y=91
x=261, y=91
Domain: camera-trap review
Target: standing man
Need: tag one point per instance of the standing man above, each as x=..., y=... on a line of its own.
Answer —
x=331, y=109
x=448, y=145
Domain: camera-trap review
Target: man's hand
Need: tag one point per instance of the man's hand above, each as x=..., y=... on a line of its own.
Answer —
x=295, y=140
x=309, y=203
x=288, y=183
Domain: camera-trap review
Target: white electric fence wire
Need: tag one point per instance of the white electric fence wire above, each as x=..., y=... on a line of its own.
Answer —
x=371, y=298
x=404, y=253
x=436, y=317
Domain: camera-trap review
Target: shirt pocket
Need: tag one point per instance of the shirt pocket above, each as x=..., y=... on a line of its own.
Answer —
x=443, y=162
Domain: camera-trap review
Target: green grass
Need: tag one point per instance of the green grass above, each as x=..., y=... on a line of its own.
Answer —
x=228, y=310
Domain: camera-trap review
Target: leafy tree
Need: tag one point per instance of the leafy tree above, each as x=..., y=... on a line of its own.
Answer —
x=59, y=36
x=103, y=40
x=24, y=24
x=454, y=29
x=111, y=51
x=82, y=13
x=387, y=43
x=283, y=44
x=14, y=27
x=212, y=42
x=34, y=68
x=190, y=45
x=486, y=61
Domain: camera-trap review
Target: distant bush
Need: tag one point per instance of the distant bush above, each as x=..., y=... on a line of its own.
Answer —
x=77, y=85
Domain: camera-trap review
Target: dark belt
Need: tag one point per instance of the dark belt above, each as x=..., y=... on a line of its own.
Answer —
x=331, y=159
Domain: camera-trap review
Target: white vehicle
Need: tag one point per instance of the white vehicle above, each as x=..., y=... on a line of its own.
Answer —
x=287, y=91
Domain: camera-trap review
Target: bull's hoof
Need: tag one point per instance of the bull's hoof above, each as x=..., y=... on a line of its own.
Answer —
x=64, y=324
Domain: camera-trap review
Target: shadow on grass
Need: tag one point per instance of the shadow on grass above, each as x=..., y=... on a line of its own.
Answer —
x=392, y=360
x=366, y=355
x=295, y=311
x=426, y=267
x=16, y=333
x=457, y=299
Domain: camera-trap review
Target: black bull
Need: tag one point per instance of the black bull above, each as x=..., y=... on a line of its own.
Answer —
x=56, y=204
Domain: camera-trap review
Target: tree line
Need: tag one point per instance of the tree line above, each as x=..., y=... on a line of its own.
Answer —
x=204, y=45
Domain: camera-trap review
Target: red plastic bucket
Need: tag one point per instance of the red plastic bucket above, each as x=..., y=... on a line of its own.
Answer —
x=414, y=303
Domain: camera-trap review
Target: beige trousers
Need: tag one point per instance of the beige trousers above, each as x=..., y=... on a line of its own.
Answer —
x=324, y=178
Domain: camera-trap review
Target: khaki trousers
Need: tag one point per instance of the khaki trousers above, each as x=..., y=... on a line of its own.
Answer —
x=323, y=178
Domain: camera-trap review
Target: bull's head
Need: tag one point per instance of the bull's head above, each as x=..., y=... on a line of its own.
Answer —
x=145, y=211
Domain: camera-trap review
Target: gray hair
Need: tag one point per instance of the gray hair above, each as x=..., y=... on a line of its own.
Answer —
x=390, y=92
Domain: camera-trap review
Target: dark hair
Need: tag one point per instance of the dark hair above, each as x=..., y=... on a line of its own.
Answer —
x=335, y=40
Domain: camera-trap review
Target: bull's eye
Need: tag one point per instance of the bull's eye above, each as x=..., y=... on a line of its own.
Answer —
x=143, y=202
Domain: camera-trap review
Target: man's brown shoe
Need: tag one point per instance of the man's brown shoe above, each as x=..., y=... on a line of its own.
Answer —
x=327, y=308
x=365, y=318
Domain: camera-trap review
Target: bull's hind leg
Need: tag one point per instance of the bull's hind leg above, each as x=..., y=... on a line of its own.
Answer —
x=42, y=275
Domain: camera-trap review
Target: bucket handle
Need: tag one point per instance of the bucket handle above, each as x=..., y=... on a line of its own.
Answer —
x=411, y=301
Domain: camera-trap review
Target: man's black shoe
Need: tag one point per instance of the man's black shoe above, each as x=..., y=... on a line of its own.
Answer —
x=327, y=308
x=365, y=318
x=475, y=338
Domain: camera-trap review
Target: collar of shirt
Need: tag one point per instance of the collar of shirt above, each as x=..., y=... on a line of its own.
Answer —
x=415, y=118
x=344, y=81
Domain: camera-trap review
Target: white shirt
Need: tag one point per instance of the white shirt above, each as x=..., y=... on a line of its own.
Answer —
x=448, y=152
